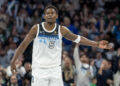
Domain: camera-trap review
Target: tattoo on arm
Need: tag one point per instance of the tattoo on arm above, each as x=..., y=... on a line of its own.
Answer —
x=68, y=34
x=85, y=41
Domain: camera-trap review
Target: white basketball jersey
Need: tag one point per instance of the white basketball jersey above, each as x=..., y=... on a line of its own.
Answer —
x=47, y=47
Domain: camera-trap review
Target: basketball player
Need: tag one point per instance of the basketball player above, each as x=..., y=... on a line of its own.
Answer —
x=47, y=46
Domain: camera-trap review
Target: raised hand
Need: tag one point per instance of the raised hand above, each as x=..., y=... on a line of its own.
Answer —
x=105, y=45
x=13, y=69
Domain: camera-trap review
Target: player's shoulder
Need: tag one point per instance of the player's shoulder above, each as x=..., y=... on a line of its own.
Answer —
x=34, y=28
x=63, y=27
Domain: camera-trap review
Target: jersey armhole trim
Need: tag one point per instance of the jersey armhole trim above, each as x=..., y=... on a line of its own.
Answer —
x=37, y=30
x=59, y=29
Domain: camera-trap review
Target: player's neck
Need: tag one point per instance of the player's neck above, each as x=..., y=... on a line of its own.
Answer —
x=50, y=24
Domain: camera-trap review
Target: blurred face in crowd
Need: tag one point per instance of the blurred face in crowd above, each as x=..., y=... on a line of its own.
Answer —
x=67, y=62
x=67, y=21
x=13, y=79
x=98, y=55
x=109, y=65
x=36, y=14
x=65, y=54
x=96, y=5
x=27, y=66
x=18, y=63
x=76, y=24
x=94, y=81
x=22, y=36
x=84, y=59
x=117, y=22
x=50, y=15
x=102, y=36
x=2, y=10
x=76, y=18
x=10, y=39
x=92, y=62
x=106, y=64
x=94, y=49
x=111, y=22
x=13, y=46
x=14, y=31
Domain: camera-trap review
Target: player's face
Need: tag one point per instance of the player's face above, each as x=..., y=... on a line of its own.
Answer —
x=50, y=15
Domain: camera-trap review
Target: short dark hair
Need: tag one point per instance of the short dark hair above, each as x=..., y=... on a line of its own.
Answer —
x=83, y=55
x=51, y=6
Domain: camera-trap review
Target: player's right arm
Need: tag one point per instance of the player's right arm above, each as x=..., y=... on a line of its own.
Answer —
x=21, y=48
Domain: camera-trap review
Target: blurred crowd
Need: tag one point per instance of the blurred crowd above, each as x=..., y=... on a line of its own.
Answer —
x=95, y=19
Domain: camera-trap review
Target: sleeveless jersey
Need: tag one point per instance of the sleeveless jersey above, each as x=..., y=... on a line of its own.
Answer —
x=47, y=47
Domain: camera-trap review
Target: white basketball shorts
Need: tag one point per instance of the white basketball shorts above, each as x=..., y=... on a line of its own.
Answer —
x=47, y=77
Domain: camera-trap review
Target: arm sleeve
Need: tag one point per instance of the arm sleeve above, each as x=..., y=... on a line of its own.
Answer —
x=76, y=57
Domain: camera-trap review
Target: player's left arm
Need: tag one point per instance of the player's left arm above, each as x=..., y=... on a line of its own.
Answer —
x=82, y=40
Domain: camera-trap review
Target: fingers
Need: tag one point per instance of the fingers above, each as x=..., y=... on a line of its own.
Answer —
x=13, y=69
x=109, y=46
x=106, y=45
x=105, y=42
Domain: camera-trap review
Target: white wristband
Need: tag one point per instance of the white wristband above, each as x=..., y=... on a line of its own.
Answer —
x=77, y=40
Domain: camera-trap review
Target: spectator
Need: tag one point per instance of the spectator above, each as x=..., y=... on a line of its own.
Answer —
x=64, y=55
x=68, y=72
x=3, y=19
x=98, y=60
x=28, y=75
x=2, y=36
x=97, y=9
x=92, y=63
x=111, y=53
x=36, y=18
x=4, y=60
x=67, y=23
x=94, y=82
x=105, y=75
x=117, y=76
x=116, y=32
x=84, y=70
x=13, y=81
x=2, y=79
